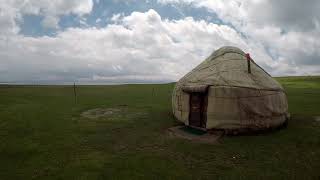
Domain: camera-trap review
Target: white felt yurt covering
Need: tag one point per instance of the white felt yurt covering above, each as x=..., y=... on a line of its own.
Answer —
x=234, y=98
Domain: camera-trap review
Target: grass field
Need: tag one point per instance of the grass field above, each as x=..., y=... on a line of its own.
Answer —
x=44, y=136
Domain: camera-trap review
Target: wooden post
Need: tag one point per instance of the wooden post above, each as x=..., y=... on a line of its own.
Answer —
x=75, y=93
x=249, y=62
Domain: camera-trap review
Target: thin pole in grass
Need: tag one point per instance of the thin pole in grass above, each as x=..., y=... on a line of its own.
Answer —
x=152, y=95
x=75, y=93
x=152, y=91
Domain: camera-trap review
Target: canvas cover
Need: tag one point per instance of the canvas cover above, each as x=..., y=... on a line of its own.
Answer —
x=236, y=99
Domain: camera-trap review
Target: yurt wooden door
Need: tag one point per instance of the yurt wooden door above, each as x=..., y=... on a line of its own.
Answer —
x=198, y=110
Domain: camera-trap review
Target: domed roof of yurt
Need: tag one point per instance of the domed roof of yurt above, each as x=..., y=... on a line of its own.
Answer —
x=228, y=90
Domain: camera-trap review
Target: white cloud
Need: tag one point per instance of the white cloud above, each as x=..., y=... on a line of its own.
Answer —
x=50, y=22
x=144, y=47
x=288, y=29
x=8, y=17
x=116, y=17
x=141, y=47
x=98, y=20
x=51, y=10
x=53, y=7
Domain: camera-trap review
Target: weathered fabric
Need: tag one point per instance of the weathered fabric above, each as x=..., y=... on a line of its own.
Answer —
x=236, y=99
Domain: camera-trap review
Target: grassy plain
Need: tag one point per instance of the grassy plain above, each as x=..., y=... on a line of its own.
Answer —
x=44, y=136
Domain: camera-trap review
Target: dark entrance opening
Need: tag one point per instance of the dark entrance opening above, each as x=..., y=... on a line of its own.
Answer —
x=198, y=109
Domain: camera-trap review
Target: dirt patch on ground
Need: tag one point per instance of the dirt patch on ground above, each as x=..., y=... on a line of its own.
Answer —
x=205, y=137
x=114, y=113
x=100, y=112
x=317, y=118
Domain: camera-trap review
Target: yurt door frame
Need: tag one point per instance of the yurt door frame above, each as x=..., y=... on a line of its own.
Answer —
x=198, y=109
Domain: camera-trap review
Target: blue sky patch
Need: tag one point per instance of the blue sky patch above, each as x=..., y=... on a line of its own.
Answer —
x=102, y=12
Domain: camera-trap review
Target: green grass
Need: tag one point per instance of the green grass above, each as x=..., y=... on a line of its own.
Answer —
x=43, y=136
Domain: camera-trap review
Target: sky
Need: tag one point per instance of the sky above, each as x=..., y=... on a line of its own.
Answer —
x=151, y=41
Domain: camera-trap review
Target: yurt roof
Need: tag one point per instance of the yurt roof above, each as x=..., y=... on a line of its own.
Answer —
x=227, y=66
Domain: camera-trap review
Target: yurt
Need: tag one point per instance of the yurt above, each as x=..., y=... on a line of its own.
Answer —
x=229, y=91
